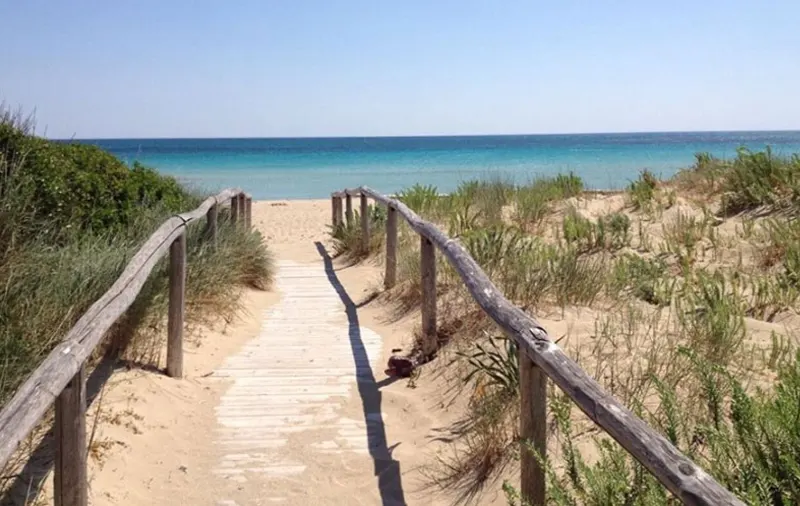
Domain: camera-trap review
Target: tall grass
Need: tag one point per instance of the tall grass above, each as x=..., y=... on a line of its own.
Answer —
x=749, y=442
x=642, y=191
x=68, y=227
x=347, y=237
x=761, y=178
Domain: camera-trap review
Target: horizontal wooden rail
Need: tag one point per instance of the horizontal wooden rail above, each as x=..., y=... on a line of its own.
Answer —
x=541, y=357
x=61, y=374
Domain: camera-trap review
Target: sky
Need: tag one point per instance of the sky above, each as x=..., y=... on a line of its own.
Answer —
x=259, y=68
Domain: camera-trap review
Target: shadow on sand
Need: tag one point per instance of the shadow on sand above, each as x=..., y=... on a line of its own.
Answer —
x=386, y=468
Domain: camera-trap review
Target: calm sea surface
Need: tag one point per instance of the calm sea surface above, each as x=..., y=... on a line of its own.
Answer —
x=312, y=168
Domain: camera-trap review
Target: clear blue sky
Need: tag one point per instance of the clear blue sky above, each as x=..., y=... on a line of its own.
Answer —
x=252, y=68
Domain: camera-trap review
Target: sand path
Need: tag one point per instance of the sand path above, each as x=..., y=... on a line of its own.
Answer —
x=286, y=415
x=289, y=404
x=302, y=420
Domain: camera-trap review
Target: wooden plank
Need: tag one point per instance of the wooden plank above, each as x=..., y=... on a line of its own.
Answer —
x=390, y=277
x=533, y=429
x=428, y=270
x=248, y=212
x=22, y=413
x=211, y=224
x=348, y=200
x=177, y=306
x=690, y=483
x=365, y=239
x=69, y=474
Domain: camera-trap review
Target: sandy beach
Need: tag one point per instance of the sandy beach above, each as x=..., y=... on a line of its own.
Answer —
x=153, y=442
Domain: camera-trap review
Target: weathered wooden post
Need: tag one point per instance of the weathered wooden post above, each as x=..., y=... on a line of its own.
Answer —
x=235, y=209
x=242, y=209
x=70, y=480
x=365, y=239
x=339, y=211
x=177, y=306
x=211, y=224
x=390, y=277
x=334, y=198
x=533, y=429
x=348, y=212
x=248, y=212
x=428, y=269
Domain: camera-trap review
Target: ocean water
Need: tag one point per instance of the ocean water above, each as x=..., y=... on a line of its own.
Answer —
x=303, y=168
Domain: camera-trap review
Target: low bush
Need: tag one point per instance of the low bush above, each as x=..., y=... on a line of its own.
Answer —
x=762, y=178
x=642, y=191
x=71, y=217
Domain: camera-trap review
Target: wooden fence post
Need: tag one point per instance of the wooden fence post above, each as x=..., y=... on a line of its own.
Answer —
x=211, y=224
x=248, y=212
x=348, y=212
x=334, y=199
x=242, y=209
x=533, y=429
x=390, y=278
x=71, y=487
x=428, y=269
x=235, y=209
x=339, y=211
x=365, y=239
x=177, y=294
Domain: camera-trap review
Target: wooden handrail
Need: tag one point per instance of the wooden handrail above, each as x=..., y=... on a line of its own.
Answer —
x=540, y=357
x=60, y=375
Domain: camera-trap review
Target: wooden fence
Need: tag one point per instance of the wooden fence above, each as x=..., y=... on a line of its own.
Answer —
x=539, y=359
x=61, y=377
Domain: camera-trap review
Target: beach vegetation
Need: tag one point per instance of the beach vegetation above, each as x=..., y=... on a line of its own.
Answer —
x=674, y=328
x=71, y=217
x=642, y=191
x=347, y=236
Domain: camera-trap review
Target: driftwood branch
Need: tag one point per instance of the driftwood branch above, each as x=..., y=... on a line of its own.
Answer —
x=691, y=484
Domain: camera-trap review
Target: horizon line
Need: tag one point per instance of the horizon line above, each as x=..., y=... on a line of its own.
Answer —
x=417, y=136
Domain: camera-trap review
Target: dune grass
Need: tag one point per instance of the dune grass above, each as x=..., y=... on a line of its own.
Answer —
x=71, y=217
x=693, y=287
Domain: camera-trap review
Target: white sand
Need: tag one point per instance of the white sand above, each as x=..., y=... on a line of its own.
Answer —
x=165, y=441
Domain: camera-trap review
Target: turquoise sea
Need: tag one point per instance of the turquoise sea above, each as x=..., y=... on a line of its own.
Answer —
x=313, y=167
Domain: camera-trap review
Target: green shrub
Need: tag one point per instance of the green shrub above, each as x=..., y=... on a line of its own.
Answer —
x=750, y=443
x=419, y=198
x=82, y=186
x=347, y=236
x=642, y=191
x=761, y=178
x=71, y=217
x=494, y=365
x=532, y=201
x=610, y=232
x=712, y=312
x=580, y=231
x=682, y=235
x=645, y=279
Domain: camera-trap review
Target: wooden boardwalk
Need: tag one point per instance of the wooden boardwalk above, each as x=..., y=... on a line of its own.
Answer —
x=293, y=379
x=289, y=409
